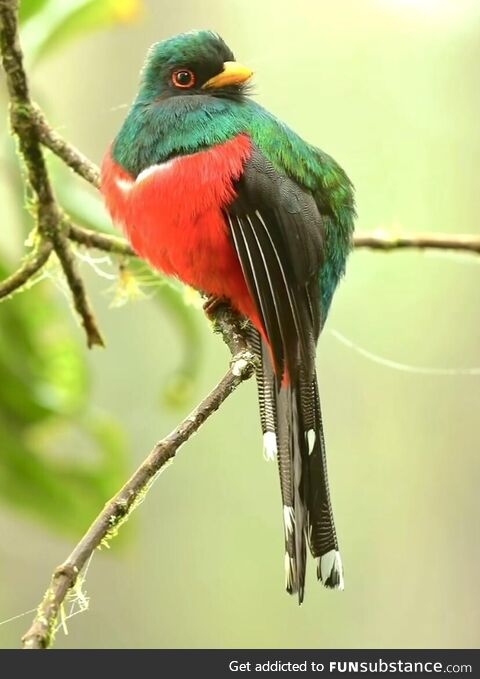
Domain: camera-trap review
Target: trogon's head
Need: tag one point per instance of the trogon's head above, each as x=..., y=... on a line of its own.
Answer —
x=193, y=63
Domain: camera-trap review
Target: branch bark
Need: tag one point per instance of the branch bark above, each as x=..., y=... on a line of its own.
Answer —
x=73, y=158
x=100, y=241
x=420, y=241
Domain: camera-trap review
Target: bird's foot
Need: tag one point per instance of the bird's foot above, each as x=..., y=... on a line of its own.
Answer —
x=212, y=305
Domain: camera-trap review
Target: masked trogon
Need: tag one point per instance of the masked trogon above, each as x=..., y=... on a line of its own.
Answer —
x=213, y=189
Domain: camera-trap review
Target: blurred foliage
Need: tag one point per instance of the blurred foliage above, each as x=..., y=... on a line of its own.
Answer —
x=49, y=24
x=46, y=425
x=60, y=460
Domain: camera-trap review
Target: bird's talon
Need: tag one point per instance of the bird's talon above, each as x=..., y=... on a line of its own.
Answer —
x=212, y=305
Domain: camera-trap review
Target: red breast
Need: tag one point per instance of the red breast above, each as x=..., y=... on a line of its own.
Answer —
x=172, y=214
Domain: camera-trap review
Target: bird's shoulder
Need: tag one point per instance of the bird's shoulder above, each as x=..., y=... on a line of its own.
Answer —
x=309, y=166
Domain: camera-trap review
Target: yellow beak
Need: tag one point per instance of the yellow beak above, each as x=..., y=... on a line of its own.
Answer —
x=232, y=74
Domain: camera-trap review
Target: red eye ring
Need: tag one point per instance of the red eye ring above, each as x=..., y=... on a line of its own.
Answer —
x=183, y=78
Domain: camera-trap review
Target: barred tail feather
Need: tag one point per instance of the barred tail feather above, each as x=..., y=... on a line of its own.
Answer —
x=322, y=534
x=266, y=393
x=293, y=432
x=292, y=481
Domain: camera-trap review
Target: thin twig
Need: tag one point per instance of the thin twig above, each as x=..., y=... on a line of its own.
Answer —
x=46, y=212
x=77, y=287
x=116, y=512
x=100, y=241
x=362, y=240
x=421, y=241
x=68, y=153
x=32, y=264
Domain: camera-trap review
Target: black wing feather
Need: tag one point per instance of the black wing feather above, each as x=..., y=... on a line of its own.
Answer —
x=277, y=231
x=285, y=222
x=258, y=279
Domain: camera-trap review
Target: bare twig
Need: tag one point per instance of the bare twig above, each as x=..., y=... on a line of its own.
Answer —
x=100, y=241
x=421, y=241
x=362, y=240
x=45, y=209
x=116, y=512
x=68, y=153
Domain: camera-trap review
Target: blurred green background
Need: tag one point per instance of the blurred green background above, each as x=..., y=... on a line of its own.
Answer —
x=390, y=89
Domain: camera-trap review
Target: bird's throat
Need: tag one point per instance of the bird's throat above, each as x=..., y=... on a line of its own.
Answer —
x=156, y=131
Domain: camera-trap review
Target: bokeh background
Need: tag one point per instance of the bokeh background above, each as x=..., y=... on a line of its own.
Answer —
x=388, y=87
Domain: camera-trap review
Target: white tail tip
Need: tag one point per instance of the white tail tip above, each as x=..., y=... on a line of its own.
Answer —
x=269, y=446
x=289, y=572
x=330, y=570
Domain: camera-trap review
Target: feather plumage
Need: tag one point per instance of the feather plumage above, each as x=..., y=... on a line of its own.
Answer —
x=212, y=188
x=277, y=231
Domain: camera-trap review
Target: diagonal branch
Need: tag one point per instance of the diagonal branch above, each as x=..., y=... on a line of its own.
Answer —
x=117, y=511
x=68, y=153
x=77, y=288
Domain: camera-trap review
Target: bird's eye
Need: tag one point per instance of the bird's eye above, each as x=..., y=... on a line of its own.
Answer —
x=183, y=78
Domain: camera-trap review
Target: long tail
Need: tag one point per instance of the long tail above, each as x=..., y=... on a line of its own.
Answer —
x=293, y=432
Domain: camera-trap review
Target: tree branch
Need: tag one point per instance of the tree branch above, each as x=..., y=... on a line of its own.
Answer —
x=77, y=287
x=45, y=209
x=370, y=240
x=117, y=511
x=68, y=153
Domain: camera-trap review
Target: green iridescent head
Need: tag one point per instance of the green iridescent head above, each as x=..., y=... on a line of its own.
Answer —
x=193, y=63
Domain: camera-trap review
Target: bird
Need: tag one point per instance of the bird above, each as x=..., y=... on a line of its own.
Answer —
x=216, y=191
